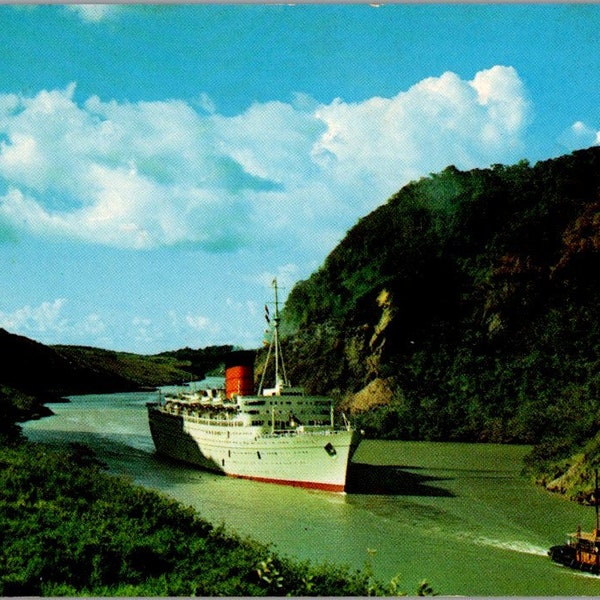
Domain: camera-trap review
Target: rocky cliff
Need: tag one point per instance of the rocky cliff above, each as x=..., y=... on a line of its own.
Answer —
x=465, y=308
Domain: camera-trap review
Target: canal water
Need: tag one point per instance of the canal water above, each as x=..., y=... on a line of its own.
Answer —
x=460, y=516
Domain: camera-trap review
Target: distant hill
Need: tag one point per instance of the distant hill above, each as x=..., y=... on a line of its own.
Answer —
x=466, y=308
x=124, y=370
x=32, y=373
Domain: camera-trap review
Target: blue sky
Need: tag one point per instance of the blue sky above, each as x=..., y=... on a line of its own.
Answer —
x=160, y=165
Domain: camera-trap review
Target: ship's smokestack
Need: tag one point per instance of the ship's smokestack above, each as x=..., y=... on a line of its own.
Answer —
x=239, y=373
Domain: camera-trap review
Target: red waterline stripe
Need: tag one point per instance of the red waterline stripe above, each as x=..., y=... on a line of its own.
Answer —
x=312, y=485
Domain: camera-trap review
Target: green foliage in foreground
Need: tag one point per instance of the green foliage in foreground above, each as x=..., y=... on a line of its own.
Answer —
x=68, y=529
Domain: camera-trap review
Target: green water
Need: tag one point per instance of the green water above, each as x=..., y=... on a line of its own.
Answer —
x=459, y=515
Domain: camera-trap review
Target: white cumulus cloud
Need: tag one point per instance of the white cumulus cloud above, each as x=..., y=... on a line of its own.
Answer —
x=149, y=174
x=439, y=121
x=197, y=322
x=49, y=321
x=43, y=318
x=93, y=324
x=580, y=135
x=94, y=13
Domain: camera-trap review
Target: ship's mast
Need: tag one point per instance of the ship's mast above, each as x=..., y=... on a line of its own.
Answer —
x=280, y=379
x=275, y=346
x=276, y=335
x=597, y=530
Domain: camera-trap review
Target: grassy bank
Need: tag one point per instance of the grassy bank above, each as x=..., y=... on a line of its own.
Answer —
x=71, y=529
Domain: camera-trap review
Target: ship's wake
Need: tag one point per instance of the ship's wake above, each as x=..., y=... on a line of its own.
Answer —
x=520, y=546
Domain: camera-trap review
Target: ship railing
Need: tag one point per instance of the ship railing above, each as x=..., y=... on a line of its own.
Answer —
x=317, y=430
x=218, y=422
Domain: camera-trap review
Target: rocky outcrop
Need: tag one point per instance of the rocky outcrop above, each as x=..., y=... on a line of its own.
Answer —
x=378, y=340
x=378, y=392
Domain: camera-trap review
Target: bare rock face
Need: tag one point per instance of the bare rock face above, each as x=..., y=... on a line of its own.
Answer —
x=384, y=301
x=378, y=392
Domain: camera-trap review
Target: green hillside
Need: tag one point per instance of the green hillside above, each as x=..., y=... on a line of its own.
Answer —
x=32, y=374
x=466, y=308
x=135, y=371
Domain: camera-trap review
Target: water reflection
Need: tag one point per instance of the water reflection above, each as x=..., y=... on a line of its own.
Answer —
x=392, y=480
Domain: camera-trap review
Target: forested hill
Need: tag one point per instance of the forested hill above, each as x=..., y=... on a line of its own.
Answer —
x=468, y=305
x=32, y=373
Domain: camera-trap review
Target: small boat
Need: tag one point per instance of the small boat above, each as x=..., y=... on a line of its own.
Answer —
x=277, y=434
x=582, y=548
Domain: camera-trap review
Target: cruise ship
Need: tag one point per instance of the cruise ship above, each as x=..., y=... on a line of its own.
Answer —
x=275, y=434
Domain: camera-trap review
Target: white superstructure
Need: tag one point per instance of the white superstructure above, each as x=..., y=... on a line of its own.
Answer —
x=278, y=435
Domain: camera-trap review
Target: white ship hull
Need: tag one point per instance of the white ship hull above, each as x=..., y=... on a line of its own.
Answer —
x=315, y=458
